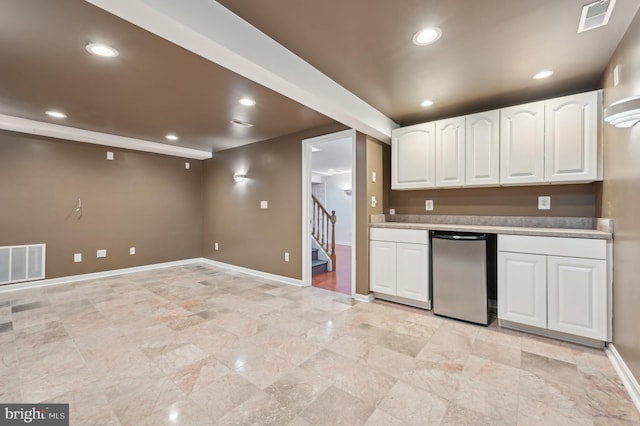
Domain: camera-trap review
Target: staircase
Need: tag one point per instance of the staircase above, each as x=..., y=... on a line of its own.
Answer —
x=318, y=266
x=324, y=233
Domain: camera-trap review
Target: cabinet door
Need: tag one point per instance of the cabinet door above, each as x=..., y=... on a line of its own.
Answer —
x=450, y=152
x=483, y=149
x=571, y=138
x=522, y=288
x=412, y=271
x=577, y=296
x=413, y=157
x=522, y=144
x=382, y=267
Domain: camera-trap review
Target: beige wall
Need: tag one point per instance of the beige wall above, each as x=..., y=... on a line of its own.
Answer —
x=621, y=200
x=370, y=157
x=249, y=236
x=566, y=200
x=140, y=199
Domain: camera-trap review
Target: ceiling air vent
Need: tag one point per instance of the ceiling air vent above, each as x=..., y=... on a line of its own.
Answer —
x=595, y=15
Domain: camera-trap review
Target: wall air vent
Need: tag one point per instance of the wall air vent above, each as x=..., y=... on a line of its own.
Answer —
x=22, y=263
x=595, y=15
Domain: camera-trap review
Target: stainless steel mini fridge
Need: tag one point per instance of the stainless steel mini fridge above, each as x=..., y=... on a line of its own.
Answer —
x=462, y=274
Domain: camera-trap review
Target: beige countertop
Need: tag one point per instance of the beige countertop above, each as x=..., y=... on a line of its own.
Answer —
x=505, y=230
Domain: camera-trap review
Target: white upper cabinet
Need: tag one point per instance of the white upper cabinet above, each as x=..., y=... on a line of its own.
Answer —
x=571, y=138
x=450, y=152
x=483, y=149
x=413, y=157
x=522, y=144
x=552, y=141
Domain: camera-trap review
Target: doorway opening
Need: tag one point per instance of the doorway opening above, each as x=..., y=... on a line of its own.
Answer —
x=329, y=212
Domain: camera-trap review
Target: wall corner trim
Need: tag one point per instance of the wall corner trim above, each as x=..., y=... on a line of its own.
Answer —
x=626, y=376
x=364, y=298
x=255, y=273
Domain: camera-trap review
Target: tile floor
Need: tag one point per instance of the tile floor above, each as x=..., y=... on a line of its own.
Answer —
x=196, y=345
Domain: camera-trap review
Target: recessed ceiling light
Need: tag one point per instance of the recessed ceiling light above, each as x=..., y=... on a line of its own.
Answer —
x=102, y=50
x=427, y=36
x=241, y=123
x=172, y=137
x=247, y=102
x=56, y=114
x=426, y=103
x=543, y=74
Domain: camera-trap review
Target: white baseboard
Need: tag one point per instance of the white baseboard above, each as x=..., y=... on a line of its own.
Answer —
x=259, y=274
x=95, y=275
x=105, y=274
x=364, y=298
x=629, y=381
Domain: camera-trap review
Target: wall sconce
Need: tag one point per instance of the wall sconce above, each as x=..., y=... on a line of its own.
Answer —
x=348, y=192
x=624, y=113
x=239, y=177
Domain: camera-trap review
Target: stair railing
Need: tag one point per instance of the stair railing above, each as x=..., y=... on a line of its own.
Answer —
x=322, y=221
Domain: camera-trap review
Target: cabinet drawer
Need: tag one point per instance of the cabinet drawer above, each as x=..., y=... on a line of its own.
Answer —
x=416, y=236
x=554, y=246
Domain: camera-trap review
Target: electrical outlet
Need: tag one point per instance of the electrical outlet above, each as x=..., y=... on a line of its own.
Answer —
x=101, y=253
x=264, y=204
x=109, y=155
x=544, y=202
x=215, y=246
x=428, y=205
x=374, y=202
x=77, y=257
x=286, y=256
x=187, y=165
x=392, y=211
x=132, y=251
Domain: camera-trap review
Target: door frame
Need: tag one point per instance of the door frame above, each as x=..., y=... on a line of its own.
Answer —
x=306, y=196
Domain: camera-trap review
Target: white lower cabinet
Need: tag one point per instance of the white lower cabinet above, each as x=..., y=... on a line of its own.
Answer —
x=399, y=264
x=383, y=267
x=577, y=296
x=541, y=284
x=522, y=292
x=412, y=271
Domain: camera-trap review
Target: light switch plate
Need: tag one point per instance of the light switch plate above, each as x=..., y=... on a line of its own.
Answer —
x=616, y=75
x=286, y=256
x=187, y=165
x=264, y=204
x=374, y=177
x=132, y=251
x=215, y=246
x=374, y=202
x=109, y=155
x=544, y=202
x=428, y=205
x=77, y=257
x=101, y=253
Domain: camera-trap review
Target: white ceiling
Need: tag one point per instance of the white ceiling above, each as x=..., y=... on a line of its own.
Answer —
x=335, y=154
